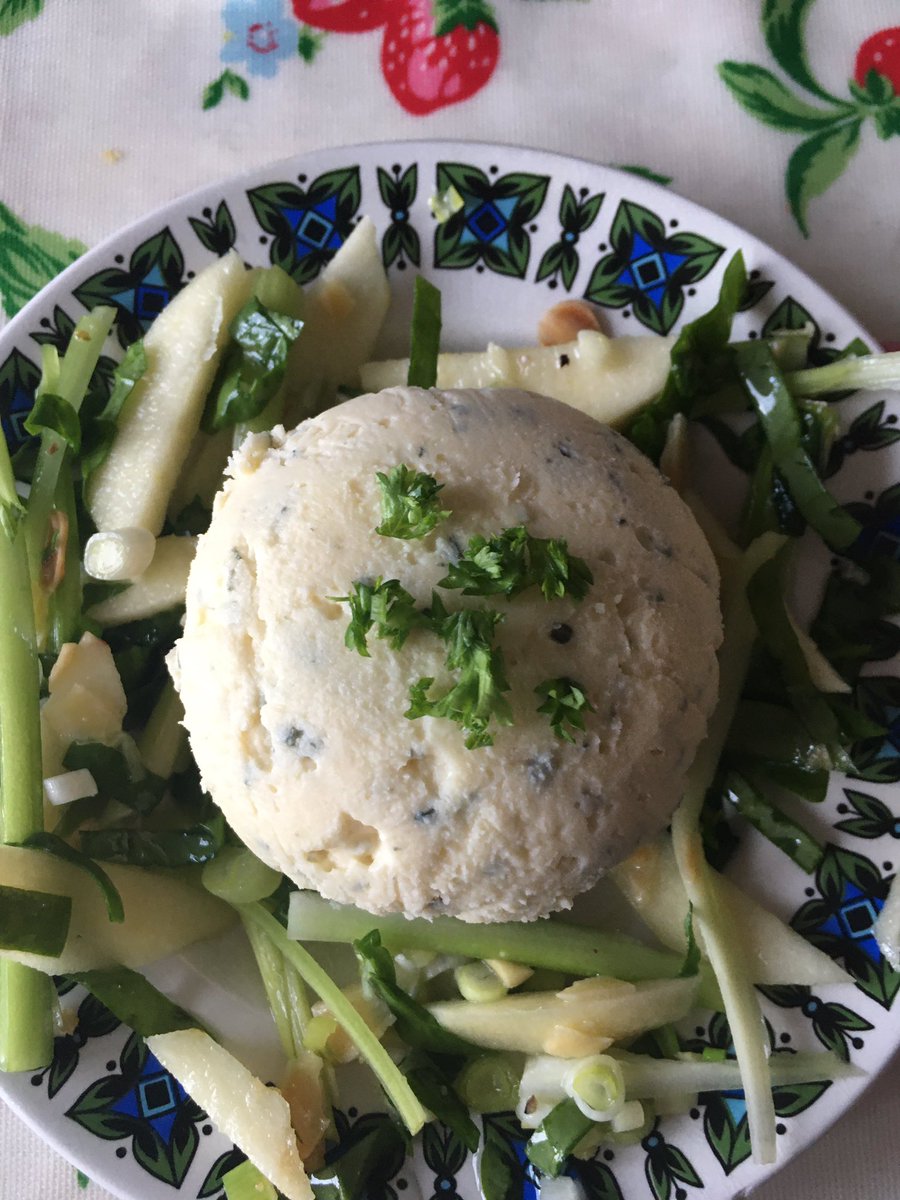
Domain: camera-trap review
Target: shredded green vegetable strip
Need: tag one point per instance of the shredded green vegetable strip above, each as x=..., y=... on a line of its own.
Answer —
x=370, y=1048
x=765, y=595
x=777, y=410
x=799, y=845
x=741, y=1005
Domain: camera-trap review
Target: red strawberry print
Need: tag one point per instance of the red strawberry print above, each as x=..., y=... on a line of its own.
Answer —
x=438, y=52
x=881, y=53
x=344, y=16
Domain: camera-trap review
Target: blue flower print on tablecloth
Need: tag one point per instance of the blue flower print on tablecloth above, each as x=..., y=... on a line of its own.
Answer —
x=258, y=35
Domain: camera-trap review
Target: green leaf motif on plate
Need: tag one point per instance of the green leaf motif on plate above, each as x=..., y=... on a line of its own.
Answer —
x=839, y=921
x=756, y=289
x=212, y=1184
x=29, y=258
x=308, y=223
x=14, y=13
x=400, y=242
x=139, y=293
x=502, y=1170
x=666, y=1166
x=216, y=230
x=489, y=230
x=873, y=818
x=576, y=215
x=727, y=1132
x=877, y=758
x=648, y=268
x=145, y=1103
x=445, y=1155
x=832, y=1023
x=598, y=1181
x=19, y=378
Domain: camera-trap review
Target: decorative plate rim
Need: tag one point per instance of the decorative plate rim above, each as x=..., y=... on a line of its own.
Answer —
x=555, y=165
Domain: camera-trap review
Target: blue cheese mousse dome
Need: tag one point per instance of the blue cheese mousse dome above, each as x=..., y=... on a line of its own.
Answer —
x=597, y=685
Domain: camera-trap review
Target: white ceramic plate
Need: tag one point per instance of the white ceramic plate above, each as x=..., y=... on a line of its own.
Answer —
x=535, y=228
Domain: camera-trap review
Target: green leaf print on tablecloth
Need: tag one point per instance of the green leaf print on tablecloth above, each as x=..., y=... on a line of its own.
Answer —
x=831, y=126
x=29, y=258
x=14, y=13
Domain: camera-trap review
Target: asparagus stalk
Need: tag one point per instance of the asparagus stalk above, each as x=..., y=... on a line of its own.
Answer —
x=71, y=382
x=370, y=1048
x=26, y=1039
x=741, y=1004
x=557, y=945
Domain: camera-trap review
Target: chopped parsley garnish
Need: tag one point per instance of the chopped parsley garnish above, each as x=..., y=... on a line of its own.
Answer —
x=409, y=503
x=477, y=697
x=564, y=703
x=512, y=561
x=388, y=606
x=502, y=565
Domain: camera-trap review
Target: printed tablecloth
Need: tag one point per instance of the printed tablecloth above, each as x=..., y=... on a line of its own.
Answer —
x=779, y=114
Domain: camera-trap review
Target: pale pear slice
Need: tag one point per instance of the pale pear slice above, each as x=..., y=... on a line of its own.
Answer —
x=161, y=586
x=774, y=953
x=256, y=1118
x=163, y=914
x=582, y=1019
x=161, y=416
x=86, y=701
x=344, y=311
x=610, y=379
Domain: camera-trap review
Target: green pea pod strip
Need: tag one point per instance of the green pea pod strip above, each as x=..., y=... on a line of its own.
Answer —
x=135, y=1001
x=792, y=839
x=702, y=363
x=769, y=394
x=53, y=844
x=425, y=339
x=765, y=594
x=560, y=1132
x=33, y=922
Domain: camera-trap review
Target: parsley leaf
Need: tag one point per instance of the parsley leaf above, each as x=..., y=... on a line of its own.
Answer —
x=388, y=606
x=477, y=697
x=564, y=703
x=252, y=367
x=409, y=503
x=512, y=561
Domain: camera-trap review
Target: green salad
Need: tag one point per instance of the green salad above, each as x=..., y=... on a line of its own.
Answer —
x=113, y=856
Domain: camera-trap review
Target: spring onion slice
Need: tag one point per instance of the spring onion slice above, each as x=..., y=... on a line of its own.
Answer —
x=870, y=372
x=772, y=400
x=740, y=1001
x=370, y=1048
